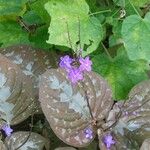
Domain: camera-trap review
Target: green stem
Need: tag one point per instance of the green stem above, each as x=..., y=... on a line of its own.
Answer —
x=100, y=12
x=115, y=12
x=109, y=56
x=135, y=9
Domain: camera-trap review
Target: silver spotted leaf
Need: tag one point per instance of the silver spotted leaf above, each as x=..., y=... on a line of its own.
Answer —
x=33, y=62
x=67, y=107
x=135, y=119
x=16, y=93
x=65, y=148
x=121, y=142
x=2, y=146
x=146, y=145
x=26, y=141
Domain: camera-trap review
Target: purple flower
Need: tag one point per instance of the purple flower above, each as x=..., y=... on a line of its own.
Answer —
x=65, y=62
x=75, y=75
x=6, y=128
x=125, y=113
x=108, y=140
x=85, y=64
x=88, y=133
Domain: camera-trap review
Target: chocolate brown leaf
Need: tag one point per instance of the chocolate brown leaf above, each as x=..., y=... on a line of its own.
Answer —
x=65, y=148
x=33, y=62
x=16, y=93
x=146, y=145
x=73, y=110
x=26, y=141
x=135, y=120
x=2, y=146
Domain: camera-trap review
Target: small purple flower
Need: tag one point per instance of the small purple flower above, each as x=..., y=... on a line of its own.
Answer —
x=125, y=113
x=88, y=133
x=134, y=113
x=65, y=62
x=108, y=140
x=85, y=64
x=75, y=75
x=6, y=128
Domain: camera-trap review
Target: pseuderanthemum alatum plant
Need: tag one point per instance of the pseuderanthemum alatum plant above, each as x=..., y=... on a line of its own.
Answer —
x=79, y=112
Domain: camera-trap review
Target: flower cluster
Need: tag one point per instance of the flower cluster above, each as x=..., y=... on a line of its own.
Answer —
x=108, y=140
x=88, y=133
x=7, y=129
x=75, y=72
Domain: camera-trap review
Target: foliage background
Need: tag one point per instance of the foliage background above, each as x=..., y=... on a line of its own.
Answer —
x=115, y=33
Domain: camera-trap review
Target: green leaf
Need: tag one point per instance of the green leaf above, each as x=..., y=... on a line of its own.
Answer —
x=120, y=2
x=65, y=12
x=12, y=7
x=31, y=17
x=38, y=39
x=38, y=7
x=136, y=36
x=116, y=37
x=122, y=74
x=140, y=3
x=11, y=33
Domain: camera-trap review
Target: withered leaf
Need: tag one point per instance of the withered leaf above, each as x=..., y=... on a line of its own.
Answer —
x=16, y=93
x=67, y=109
x=26, y=141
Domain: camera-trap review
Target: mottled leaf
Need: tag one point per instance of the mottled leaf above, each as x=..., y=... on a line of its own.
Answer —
x=27, y=141
x=136, y=36
x=121, y=143
x=70, y=12
x=135, y=119
x=70, y=114
x=33, y=62
x=2, y=146
x=65, y=148
x=16, y=93
x=146, y=145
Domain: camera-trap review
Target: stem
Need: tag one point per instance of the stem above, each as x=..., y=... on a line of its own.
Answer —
x=110, y=58
x=100, y=12
x=115, y=12
x=135, y=9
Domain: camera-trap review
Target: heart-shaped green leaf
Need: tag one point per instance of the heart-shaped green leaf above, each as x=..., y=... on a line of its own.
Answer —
x=136, y=36
x=71, y=12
